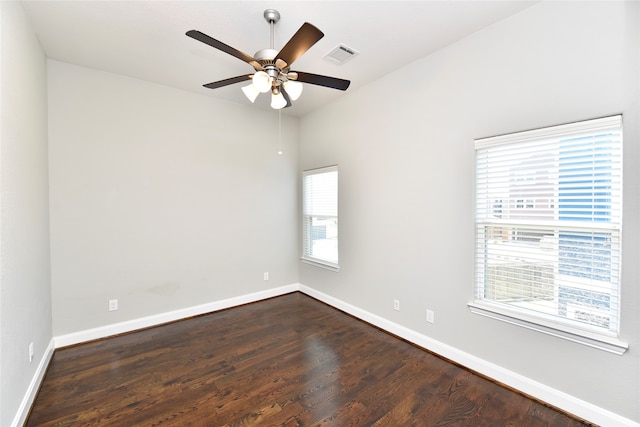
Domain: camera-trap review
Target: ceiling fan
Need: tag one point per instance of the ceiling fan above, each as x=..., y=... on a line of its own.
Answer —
x=273, y=68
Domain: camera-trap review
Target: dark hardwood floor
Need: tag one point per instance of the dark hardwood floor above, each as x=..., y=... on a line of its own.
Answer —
x=287, y=361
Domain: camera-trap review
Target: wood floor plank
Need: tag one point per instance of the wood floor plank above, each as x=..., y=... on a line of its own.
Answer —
x=287, y=361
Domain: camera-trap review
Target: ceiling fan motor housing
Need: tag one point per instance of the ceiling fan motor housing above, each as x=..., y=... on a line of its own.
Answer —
x=266, y=58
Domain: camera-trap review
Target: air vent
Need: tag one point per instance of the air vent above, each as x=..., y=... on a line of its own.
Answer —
x=341, y=54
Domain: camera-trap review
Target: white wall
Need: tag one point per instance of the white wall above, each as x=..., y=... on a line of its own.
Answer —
x=162, y=199
x=25, y=287
x=404, y=146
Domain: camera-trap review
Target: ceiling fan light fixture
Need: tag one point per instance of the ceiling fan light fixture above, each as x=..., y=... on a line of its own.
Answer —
x=277, y=101
x=294, y=89
x=262, y=81
x=251, y=92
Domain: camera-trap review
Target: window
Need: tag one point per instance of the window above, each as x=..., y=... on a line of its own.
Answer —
x=549, y=257
x=320, y=217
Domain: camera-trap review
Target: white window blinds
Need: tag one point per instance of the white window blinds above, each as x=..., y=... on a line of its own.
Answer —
x=548, y=224
x=320, y=216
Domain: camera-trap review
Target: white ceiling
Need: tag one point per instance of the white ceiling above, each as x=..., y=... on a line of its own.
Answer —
x=146, y=39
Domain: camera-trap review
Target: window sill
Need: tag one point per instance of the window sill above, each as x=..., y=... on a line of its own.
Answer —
x=601, y=342
x=322, y=264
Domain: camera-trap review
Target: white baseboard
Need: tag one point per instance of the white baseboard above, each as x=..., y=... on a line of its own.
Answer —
x=171, y=316
x=34, y=386
x=554, y=397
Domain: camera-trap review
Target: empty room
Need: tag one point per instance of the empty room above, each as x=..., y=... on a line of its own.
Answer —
x=320, y=213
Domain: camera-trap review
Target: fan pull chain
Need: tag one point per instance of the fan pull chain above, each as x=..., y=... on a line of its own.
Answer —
x=279, y=131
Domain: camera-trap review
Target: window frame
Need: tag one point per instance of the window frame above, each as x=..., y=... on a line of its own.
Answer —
x=306, y=240
x=552, y=324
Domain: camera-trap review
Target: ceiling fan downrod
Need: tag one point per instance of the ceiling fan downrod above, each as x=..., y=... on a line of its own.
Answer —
x=272, y=16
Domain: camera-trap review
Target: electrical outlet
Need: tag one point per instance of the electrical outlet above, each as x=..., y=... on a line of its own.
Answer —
x=266, y=275
x=113, y=304
x=396, y=305
x=430, y=316
x=31, y=352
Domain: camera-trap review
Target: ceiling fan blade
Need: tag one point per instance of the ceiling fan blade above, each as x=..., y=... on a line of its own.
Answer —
x=302, y=40
x=286, y=97
x=201, y=37
x=326, y=81
x=228, y=81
